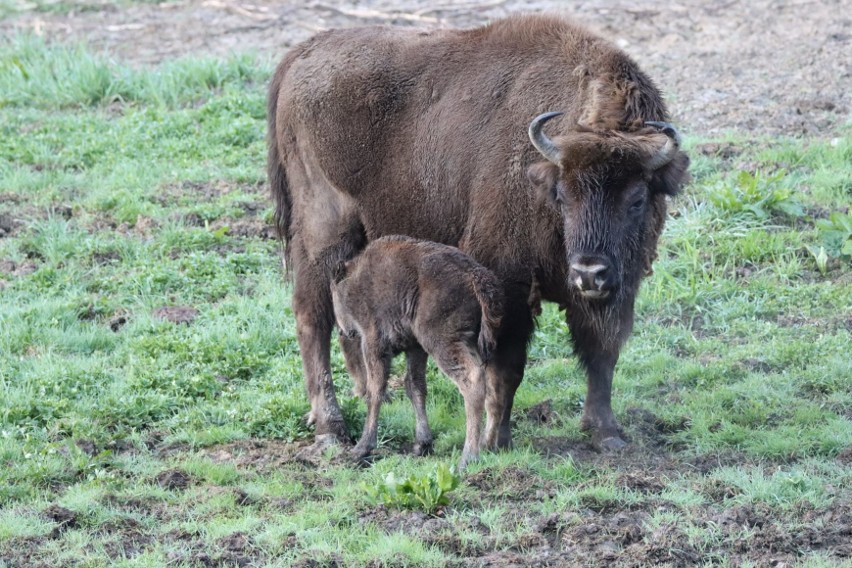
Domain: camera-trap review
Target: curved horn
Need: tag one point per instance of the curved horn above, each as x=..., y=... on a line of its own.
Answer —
x=541, y=142
x=665, y=154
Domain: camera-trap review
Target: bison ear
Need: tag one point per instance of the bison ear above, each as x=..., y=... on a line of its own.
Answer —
x=672, y=177
x=544, y=176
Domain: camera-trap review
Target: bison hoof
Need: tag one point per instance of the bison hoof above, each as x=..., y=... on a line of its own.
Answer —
x=361, y=457
x=611, y=444
x=467, y=459
x=422, y=449
x=332, y=432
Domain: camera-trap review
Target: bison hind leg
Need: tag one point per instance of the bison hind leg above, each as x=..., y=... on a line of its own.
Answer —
x=461, y=363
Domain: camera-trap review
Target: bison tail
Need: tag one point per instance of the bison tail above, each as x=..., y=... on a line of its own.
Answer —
x=278, y=185
x=490, y=296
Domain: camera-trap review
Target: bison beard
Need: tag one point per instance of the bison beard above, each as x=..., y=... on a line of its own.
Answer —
x=378, y=131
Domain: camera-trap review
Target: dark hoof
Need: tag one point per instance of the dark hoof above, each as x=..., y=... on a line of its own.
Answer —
x=361, y=456
x=504, y=442
x=611, y=444
x=332, y=433
x=359, y=459
x=424, y=449
x=467, y=460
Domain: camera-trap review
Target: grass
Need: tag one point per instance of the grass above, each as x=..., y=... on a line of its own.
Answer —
x=132, y=190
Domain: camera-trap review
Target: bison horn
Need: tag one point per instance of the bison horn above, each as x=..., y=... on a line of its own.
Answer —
x=665, y=154
x=541, y=142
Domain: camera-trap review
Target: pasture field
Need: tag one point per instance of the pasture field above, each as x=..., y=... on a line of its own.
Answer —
x=151, y=396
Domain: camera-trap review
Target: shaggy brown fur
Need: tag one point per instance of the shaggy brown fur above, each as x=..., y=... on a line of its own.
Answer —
x=402, y=294
x=377, y=131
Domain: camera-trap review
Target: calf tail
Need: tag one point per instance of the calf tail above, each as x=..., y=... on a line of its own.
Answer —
x=489, y=293
x=278, y=185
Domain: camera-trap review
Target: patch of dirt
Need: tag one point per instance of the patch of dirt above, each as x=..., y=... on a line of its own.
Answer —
x=8, y=226
x=207, y=191
x=249, y=227
x=434, y=531
x=116, y=322
x=243, y=499
x=649, y=448
x=541, y=413
x=513, y=483
x=108, y=257
x=134, y=505
x=62, y=210
x=255, y=453
x=129, y=538
x=65, y=518
x=759, y=366
x=176, y=314
x=86, y=446
x=762, y=67
x=9, y=197
x=173, y=479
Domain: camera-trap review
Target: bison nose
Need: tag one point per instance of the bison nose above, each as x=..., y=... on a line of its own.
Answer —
x=592, y=275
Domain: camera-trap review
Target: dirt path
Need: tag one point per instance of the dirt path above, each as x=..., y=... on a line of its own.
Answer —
x=761, y=66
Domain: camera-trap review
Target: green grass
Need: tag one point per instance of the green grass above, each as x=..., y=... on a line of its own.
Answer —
x=137, y=189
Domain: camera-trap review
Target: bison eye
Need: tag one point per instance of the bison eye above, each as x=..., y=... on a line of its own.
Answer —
x=637, y=204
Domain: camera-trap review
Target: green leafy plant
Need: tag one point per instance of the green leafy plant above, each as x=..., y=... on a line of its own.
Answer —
x=757, y=195
x=836, y=234
x=427, y=492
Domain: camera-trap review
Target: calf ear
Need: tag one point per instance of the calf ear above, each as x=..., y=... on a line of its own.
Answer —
x=338, y=271
x=543, y=176
x=341, y=270
x=670, y=178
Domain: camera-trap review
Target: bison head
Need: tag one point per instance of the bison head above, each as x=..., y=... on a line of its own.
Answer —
x=609, y=188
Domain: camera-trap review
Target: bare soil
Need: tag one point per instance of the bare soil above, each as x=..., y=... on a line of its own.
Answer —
x=762, y=67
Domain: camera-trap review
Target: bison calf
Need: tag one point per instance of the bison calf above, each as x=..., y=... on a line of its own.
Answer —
x=420, y=297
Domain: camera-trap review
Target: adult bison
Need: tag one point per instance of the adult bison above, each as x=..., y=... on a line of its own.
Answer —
x=376, y=131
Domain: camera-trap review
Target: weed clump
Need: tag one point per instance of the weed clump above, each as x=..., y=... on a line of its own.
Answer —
x=426, y=492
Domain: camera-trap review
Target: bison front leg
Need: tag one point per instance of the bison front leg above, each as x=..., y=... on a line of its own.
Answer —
x=506, y=371
x=415, y=388
x=312, y=308
x=598, y=418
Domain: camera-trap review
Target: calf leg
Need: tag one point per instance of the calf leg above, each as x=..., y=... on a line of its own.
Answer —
x=377, y=366
x=474, y=404
x=459, y=363
x=351, y=348
x=314, y=319
x=415, y=388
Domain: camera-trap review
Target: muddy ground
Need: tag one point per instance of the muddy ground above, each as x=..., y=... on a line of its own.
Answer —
x=761, y=67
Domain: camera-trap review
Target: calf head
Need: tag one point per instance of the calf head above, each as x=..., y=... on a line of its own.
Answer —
x=342, y=299
x=609, y=188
